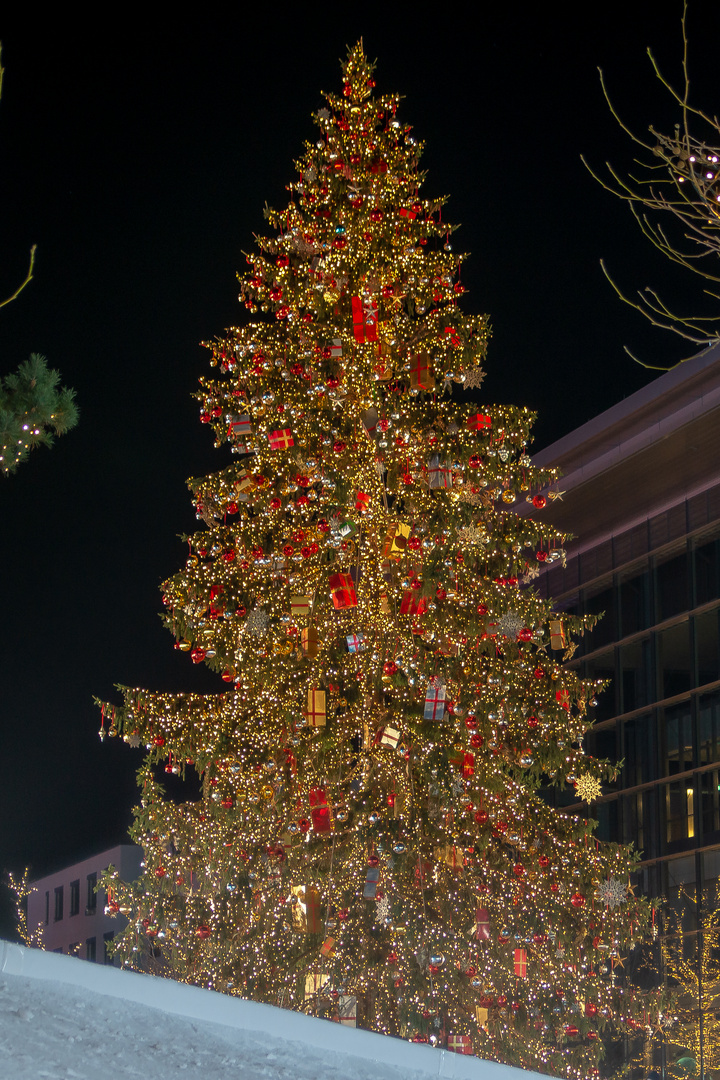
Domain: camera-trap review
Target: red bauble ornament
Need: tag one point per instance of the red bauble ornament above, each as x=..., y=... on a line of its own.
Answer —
x=541, y=556
x=539, y=501
x=571, y=1030
x=539, y=673
x=275, y=503
x=440, y=593
x=160, y=872
x=481, y=817
x=525, y=634
x=533, y=721
x=203, y=932
x=577, y=900
x=390, y=668
x=304, y=825
x=518, y=870
x=543, y=861
x=590, y=1008
x=502, y=1001
x=197, y=656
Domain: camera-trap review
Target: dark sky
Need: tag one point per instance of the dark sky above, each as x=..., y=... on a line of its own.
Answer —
x=139, y=158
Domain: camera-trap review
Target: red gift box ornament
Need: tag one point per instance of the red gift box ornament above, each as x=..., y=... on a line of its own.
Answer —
x=411, y=604
x=362, y=501
x=563, y=698
x=281, y=439
x=459, y=1044
x=479, y=422
x=342, y=591
x=521, y=963
x=482, y=924
x=319, y=811
x=364, y=312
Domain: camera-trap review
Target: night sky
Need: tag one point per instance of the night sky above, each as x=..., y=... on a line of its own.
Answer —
x=139, y=159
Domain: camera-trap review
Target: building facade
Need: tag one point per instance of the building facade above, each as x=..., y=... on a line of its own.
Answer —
x=70, y=910
x=641, y=492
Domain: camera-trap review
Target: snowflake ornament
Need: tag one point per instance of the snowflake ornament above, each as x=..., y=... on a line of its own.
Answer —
x=588, y=788
x=475, y=498
x=257, y=622
x=612, y=892
x=471, y=535
x=473, y=378
x=510, y=624
x=382, y=911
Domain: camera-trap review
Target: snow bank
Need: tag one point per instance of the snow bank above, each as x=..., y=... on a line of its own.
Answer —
x=60, y=1017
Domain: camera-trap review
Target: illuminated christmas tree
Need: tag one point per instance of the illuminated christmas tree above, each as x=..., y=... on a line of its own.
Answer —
x=370, y=839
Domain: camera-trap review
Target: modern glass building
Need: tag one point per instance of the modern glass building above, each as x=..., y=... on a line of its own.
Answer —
x=641, y=492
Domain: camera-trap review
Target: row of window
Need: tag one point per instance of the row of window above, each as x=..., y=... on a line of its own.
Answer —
x=663, y=742
x=90, y=899
x=91, y=948
x=663, y=664
x=632, y=600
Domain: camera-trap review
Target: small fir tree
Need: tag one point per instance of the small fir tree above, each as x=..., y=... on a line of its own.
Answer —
x=32, y=409
x=370, y=838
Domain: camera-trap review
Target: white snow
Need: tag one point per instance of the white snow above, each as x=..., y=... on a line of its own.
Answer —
x=66, y=1019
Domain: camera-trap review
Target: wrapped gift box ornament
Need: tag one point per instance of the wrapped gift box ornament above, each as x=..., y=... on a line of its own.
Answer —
x=316, y=708
x=342, y=591
x=309, y=640
x=314, y=983
x=482, y=924
x=365, y=319
x=281, y=439
x=355, y=642
x=521, y=963
x=479, y=422
x=459, y=1044
x=422, y=376
x=434, y=701
x=347, y=1010
x=305, y=909
x=557, y=634
x=319, y=811
x=299, y=607
x=439, y=473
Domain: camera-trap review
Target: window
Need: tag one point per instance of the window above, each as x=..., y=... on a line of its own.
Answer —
x=47, y=906
x=74, y=949
x=639, y=756
x=707, y=646
x=673, y=658
x=634, y=602
x=709, y=728
x=707, y=564
x=59, y=903
x=678, y=739
x=602, y=667
x=90, y=949
x=91, y=903
x=709, y=803
x=679, y=811
x=107, y=939
x=634, y=670
x=75, y=897
x=601, y=601
x=633, y=819
x=671, y=584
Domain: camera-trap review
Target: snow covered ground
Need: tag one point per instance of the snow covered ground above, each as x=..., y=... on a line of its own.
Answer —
x=67, y=1019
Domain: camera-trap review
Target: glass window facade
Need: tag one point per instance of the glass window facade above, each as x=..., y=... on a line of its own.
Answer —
x=657, y=650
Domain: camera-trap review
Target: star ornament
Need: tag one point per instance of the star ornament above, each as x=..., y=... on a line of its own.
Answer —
x=588, y=788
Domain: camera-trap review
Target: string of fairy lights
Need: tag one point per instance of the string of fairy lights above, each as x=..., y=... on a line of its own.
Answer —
x=369, y=839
